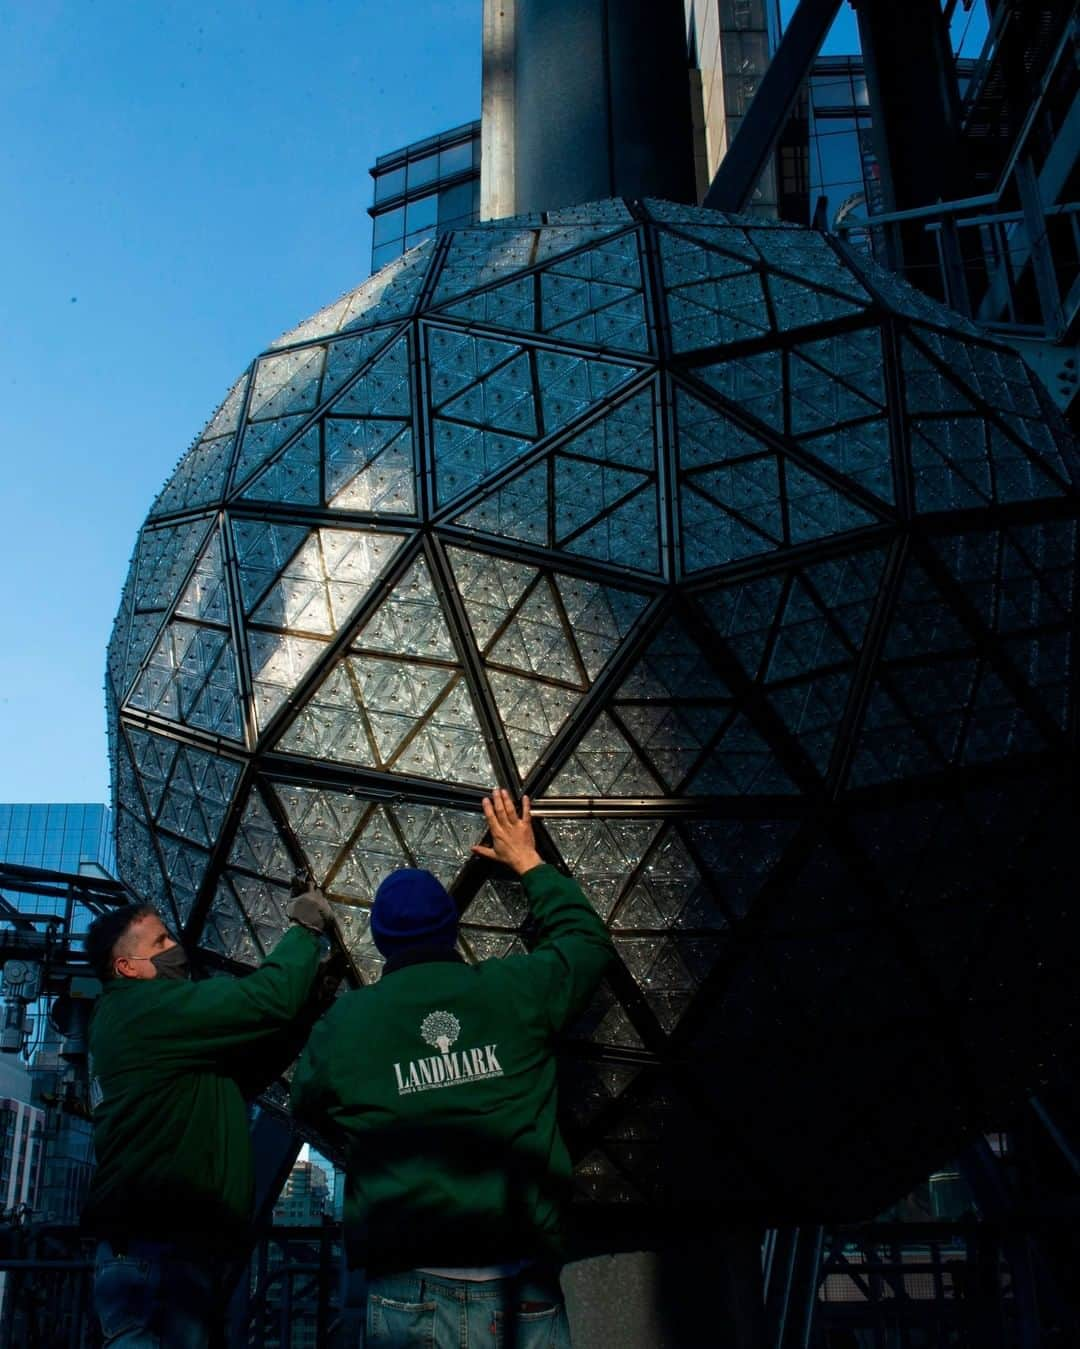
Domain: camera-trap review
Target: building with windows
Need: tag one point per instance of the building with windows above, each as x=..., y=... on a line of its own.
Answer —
x=56, y=836
x=423, y=190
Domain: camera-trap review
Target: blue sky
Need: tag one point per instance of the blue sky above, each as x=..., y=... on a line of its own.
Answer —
x=182, y=182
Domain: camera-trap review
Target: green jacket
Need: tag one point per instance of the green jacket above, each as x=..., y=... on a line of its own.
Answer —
x=439, y=1081
x=171, y=1063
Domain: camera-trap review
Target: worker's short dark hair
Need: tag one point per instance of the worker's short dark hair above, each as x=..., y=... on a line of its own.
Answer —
x=106, y=930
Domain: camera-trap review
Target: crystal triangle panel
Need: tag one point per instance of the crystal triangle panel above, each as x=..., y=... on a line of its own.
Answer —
x=808, y=255
x=286, y=383
x=743, y=763
x=585, y=491
x=570, y=385
x=511, y=305
x=603, y=764
x=519, y=509
x=798, y=306
x=816, y=509
x=626, y=436
x=191, y=677
x=227, y=931
x=600, y=616
x=449, y=744
x=348, y=355
x=477, y=257
x=819, y=399
x=200, y=478
x=261, y=442
x=185, y=866
x=293, y=476
x=738, y=857
x=459, y=360
x=384, y=390
x=198, y=795
x=536, y=643
x=323, y=822
x=861, y=452
x=602, y=854
x=439, y=840
x=627, y=537
x=661, y=974
x=262, y=550
x=377, y=850
x=258, y=845
x=395, y=696
x=670, y=893
x=465, y=455
x=153, y=756
x=718, y=313
x=325, y=581
x=264, y=906
x=533, y=713
x=205, y=598
x=501, y=401
x=753, y=383
x=331, y=724
x=369, y=465
x=278, y=663
x=490, y=588
x=410, y=621
x=743, y=615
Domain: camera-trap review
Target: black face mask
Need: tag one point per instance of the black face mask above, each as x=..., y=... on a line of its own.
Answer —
x=172, y=964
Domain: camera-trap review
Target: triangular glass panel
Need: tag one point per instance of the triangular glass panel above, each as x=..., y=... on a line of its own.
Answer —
x=501, y=401
x=605, y=1022
x=384, y=389
x=585, y=490
x=490, y=945
x=570, y=385
x=928, y=389
x=750, y=490
x=673, y=668
x=798, y=306
x=322, y=821
x=458, y=359
x=449, y=745
x=536, y=642
x=848, y=587
x=602, y=854
x=264, y=906
x=348, y=355
x=479, y=256
x=861, y=452
x=507, y=306
x=754, y=383
x=598, y=1180
x=743, y=615
x=625, y=436
x=185, y=866
x=191, y=677
x=517, y=510
x=198, y=794
x=812, y=710
x=950, y=463
x=258, y=845
x=153, y=756
x=293, y=476
x=286, y=383
x=718, y=313
x=137, y=860
x=532, y=712
x=628, y=537
x=466, y=455
x=739, y=856
x=162, y=560
x=805, y=638
x=262, y=550
x=261, y=442
x=599, y=616
x=410, y=620
x=712, y=537
x=441, y=840
x=603, y=764
x=227, y=931
x=490, y=587
x=205, y=597
x=200, y=476
x=488, y=908
x=555, y=240
x=278, y=663
x=1018, y=474
x=820, y=401
x=370, y=466
x=672, y=738
x=816, y=510
x=331, y=724
x=808, y=255
x=324, y=583
x=727, y=238
x=742, y=764
x=395, y=695
x=856, y=358
x=686, y=263
x=707, y=437
x=377, y=851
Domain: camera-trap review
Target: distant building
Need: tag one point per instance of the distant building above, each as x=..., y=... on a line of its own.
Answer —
x=56, y=836
x=304, y=1198
x=423, y=190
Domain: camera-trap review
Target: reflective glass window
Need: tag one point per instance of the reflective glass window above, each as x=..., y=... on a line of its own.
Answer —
x=386, y=253
x=389, y=184
x=455, y=159
x=422, y=213
x=411, y=240
x=833, y=91
x=423, y=171
x=389, y=225
x=455, y=203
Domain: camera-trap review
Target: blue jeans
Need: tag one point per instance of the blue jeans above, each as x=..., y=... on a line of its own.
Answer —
x=150, y=1295
x=414, y=1309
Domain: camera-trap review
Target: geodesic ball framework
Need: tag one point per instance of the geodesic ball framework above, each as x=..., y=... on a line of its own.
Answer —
x=752, y=565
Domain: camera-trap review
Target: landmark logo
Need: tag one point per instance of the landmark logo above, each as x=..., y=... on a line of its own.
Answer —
x=449, y=1067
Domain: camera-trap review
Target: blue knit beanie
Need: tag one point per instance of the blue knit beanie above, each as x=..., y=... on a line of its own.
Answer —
x=412, y=908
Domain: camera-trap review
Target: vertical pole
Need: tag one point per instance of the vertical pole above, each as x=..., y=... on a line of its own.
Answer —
x=497, y=111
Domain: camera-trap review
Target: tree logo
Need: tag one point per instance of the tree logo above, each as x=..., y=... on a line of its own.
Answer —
x=440, y=1029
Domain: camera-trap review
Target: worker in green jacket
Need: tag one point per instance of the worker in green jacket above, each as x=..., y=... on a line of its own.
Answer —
x=439, y=1083
x=173, y=1064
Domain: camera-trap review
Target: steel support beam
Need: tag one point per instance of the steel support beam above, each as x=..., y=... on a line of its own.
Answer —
x=755, y=141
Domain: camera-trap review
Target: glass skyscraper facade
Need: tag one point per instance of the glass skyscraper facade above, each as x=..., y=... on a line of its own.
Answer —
x=423, y=190
x=56, y=836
